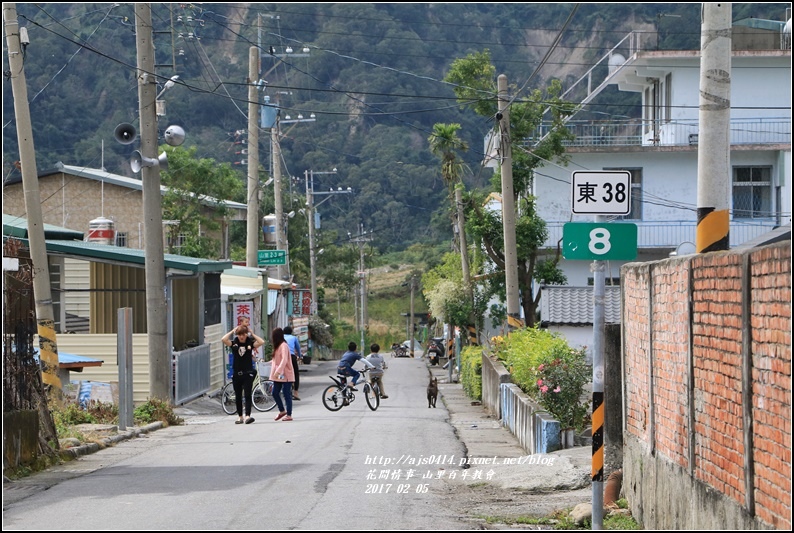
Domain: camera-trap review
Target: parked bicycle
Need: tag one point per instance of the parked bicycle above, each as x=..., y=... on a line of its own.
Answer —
x=339, y=394
x=262, y=394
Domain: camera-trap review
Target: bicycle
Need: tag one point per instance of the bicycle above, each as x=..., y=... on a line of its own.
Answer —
x=262, y=396
x=339, y=394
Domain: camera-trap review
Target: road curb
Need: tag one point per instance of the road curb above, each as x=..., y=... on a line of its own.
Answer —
x=93, y=447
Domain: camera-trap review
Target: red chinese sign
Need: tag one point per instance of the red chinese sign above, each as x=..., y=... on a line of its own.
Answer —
x=301, y=302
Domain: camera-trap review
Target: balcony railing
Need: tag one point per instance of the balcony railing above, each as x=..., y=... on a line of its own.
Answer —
x=775, y=130
x=669, y=234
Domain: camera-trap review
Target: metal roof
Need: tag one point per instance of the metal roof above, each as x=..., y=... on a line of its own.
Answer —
x=108, y=253
x=58, y=243
x=18, y=227
x=562, y=305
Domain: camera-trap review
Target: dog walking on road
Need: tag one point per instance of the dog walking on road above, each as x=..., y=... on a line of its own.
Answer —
x=432, y=392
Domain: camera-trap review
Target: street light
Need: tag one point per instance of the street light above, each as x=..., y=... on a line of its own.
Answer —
x=310, y=207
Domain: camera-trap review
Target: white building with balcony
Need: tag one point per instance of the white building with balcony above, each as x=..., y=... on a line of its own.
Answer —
x=660, y=149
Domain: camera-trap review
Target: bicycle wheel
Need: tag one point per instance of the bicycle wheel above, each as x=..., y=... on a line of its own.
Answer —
x=333, y=398
x=372, y=396
x=228, y=399
x=263, y=396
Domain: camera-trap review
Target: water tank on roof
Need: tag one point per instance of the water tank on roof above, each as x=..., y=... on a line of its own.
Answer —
x=787, y=35
x=101, y=231
x=269, y=229
x=615, y=61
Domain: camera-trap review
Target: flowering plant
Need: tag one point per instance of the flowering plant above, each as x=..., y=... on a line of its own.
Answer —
x=559, y=385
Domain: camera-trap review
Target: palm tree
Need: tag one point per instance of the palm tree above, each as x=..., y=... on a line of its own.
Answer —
x=445, y=143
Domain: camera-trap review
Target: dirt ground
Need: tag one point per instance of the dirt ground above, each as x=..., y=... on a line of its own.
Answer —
x=488, y=506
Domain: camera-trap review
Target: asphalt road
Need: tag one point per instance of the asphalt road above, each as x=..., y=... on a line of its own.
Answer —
x=323, y=471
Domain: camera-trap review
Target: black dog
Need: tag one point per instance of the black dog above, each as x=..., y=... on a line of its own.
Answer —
x=432, y=392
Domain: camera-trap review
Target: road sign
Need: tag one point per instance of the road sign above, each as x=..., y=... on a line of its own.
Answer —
x=605, y=192
x=599, y=241
x=271, y=257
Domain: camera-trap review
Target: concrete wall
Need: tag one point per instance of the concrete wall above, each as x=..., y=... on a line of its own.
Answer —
x=707, y=390
x=536, y=430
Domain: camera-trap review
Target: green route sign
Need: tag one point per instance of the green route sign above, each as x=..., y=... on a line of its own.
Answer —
x=271, y=257
x=599, y=241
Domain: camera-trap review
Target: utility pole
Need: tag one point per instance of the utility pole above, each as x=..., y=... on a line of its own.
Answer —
x=252, y=219
x=16, y=38
x=464, y=260
x=281, y=239
x=309, y=175
x=156, y=305
x=714, y=151
x=362, y=239
x=411, y=326
x=508, y=208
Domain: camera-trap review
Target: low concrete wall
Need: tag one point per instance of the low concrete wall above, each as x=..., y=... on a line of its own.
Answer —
x=535, y=429
x=20, y=438
x=493, y=375
x=695, y=506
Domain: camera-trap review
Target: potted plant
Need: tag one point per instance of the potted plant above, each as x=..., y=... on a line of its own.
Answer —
x=559, y=386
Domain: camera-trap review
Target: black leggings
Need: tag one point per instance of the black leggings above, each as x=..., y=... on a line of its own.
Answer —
x=297, y=373
x=243, y=385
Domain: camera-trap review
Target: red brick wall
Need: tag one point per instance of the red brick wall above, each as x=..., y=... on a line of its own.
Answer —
x=636, y=301
x=717, y=362
x=670, y=348
x=771, y=348
x=658, y=330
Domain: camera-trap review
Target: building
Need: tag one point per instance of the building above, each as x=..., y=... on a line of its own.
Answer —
x=660, y=148
x=73, y=197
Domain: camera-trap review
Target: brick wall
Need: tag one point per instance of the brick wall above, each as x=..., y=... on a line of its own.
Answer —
x=707, y=355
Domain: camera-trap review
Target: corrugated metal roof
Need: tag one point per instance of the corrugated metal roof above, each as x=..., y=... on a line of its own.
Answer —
x=55, y=239
x=574, y=305
x=133, y=255
x=18, y=227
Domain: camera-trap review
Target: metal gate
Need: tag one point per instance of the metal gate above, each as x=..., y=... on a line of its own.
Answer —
x=191, y=373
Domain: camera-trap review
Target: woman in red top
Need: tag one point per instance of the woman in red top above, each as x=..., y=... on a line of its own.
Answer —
x=282, y=374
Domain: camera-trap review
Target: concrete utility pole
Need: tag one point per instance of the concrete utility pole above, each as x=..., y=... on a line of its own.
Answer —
x=714, y=150
x=45, y=323
x=281, y=234
x=362, y=239
x=508, y=208
x=252, y=219
x=156, y=305
x=464, y=261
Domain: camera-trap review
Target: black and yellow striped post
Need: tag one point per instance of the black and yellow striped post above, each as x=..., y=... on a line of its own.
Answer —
x=472, y=330
x=597, y=472
x=712, y=230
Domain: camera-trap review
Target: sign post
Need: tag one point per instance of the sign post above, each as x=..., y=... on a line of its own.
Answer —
x=599, y=193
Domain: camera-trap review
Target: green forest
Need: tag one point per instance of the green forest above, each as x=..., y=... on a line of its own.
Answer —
x=370, y=75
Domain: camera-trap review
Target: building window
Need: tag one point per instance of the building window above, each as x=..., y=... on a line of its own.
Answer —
x=668, y=97
x=635, y=212
x=752, y=192
x=121, y=239
x=609, y=282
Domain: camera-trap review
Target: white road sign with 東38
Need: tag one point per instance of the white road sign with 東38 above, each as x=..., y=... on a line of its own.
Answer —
x=601, y=192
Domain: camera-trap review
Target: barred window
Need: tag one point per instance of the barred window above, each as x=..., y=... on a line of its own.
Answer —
x=752, y=192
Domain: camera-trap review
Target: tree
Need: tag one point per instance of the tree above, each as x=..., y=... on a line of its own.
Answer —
x=474, y=77
x=192, y=183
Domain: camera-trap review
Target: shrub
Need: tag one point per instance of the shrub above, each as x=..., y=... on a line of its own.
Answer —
x=471, y=371
x=561, y=377
x=156, y=410
x=523, y=351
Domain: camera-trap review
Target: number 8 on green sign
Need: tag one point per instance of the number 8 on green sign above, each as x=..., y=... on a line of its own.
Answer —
x=599, y=241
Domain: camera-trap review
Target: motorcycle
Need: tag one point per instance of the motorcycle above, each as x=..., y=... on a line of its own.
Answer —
x=435, y=351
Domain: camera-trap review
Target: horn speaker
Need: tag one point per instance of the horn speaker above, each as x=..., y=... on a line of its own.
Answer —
x=125, y=133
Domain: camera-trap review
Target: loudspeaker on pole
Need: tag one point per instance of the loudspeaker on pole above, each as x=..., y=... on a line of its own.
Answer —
x=125, y=133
